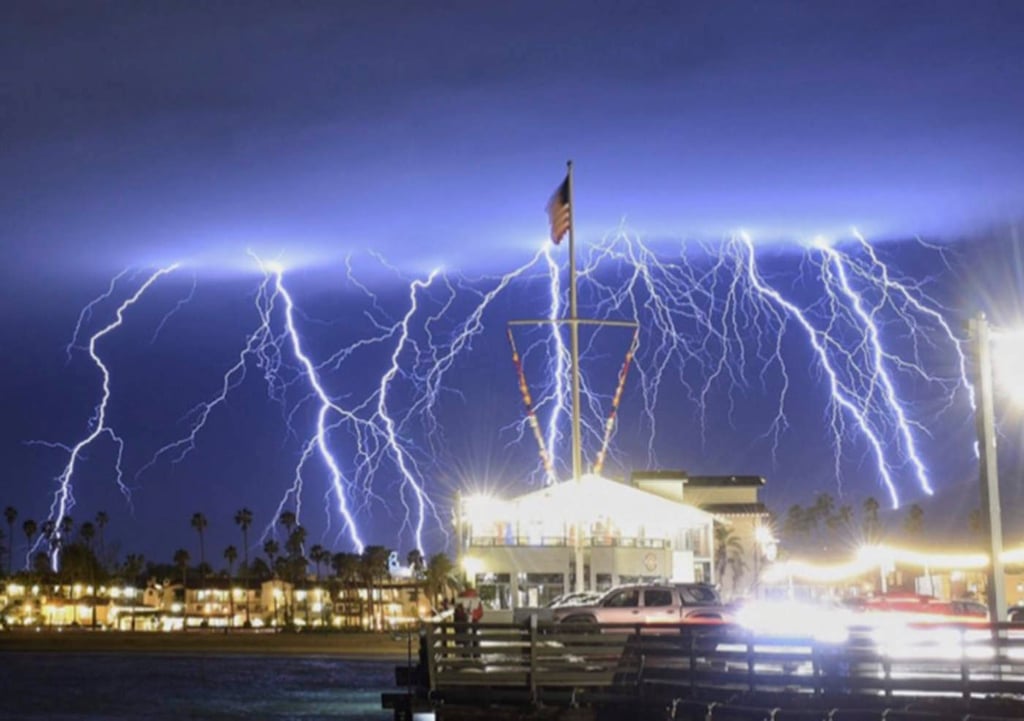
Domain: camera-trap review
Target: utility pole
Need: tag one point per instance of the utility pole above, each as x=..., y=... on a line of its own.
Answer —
x=988, y=470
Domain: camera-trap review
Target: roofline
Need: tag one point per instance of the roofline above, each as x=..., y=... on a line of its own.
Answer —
x=696, y=481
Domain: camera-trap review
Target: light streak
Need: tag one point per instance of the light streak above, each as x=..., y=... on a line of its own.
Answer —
x=64, y=500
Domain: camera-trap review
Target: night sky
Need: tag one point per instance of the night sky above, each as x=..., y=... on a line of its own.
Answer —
x=362, y=145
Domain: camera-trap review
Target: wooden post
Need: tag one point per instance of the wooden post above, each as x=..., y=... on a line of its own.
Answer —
x=430, y=640
x=533, y=658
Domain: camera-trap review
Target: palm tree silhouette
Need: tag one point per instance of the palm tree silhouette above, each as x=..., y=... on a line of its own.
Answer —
x=29, y=528
x=243, y=519
x=438, y=573
x=87, y=532
x=101, y=522
x=374, y=566
x=199, y=523
x=271, y=548
x=231, y=555
x=181, y=559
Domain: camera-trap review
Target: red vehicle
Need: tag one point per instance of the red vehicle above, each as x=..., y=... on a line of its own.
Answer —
x=925, y=609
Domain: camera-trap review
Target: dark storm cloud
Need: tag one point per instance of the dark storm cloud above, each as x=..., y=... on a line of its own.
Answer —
x=139, y=132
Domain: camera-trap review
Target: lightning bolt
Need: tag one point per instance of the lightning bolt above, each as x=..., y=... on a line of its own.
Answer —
x=711, y=317
x=558, y=350
x=327, y=407
x=877, y=372
x=400, y=457
x=709, y=312
x=86, y=313
x=256, y=344
x=841, y=395
x=64, y=500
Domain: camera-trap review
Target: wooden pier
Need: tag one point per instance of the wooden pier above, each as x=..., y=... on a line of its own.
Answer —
x=540, y=670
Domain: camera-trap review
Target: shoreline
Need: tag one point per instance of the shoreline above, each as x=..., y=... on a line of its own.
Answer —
x=353, y=646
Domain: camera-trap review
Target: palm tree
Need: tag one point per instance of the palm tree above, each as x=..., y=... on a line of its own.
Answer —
x=11, y=515
x=87, y=532
x=872, y=526
x=346, y=568
x=295, y=543
x=63, y=534
x=63, y=537
x=727, y=544
x=416, y=562
x=288, y=520
x=181, y=559
x=132, y=568
x=243, y=519
x=797, y=522
x=318, y=555
x=29, y=528
x=738, y=566
x=374, y=564
x=914, y=522
x=840, y=521
x=271, y=548
x=821, y=511
x=101, y=522
x=49, y=531
x=438, y=573
x=231, y=555
x=199, y=523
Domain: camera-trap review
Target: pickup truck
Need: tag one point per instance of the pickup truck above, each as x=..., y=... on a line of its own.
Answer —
x=668, y=603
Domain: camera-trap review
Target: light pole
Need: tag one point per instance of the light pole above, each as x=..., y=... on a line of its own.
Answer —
x=988, y=470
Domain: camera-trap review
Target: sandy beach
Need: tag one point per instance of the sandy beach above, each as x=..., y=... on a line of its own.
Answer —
x=374, y=646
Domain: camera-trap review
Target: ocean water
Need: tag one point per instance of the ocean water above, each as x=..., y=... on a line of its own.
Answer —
x=96, y=687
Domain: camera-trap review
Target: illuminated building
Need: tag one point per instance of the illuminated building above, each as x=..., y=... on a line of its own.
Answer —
x=734, y=502
x=519, y=552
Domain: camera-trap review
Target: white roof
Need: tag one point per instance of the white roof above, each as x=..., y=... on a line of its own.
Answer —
x=594, y=498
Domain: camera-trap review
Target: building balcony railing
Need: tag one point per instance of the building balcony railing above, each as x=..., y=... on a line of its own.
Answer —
x=563, y=541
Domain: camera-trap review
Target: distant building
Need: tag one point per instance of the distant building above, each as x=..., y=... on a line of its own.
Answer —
x=736, y=505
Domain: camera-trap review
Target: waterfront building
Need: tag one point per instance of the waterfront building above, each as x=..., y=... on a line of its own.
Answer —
x=745, y=542
x=521, y=551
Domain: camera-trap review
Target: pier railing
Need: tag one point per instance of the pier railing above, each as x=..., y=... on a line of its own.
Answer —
x=535, y=659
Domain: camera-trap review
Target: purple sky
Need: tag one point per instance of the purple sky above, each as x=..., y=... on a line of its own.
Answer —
x=134, y=134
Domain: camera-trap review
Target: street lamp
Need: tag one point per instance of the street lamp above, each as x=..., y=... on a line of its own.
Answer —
x=987, y=461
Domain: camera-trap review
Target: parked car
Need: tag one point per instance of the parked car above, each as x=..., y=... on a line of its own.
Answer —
x=665, y=603
x=583, y=598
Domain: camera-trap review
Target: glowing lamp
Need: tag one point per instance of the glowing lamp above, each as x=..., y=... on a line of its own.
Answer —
x=1007, y=351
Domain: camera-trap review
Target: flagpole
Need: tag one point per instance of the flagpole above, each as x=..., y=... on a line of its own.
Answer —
x=574, y=331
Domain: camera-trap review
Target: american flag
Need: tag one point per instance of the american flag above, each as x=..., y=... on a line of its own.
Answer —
x=559, y=213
